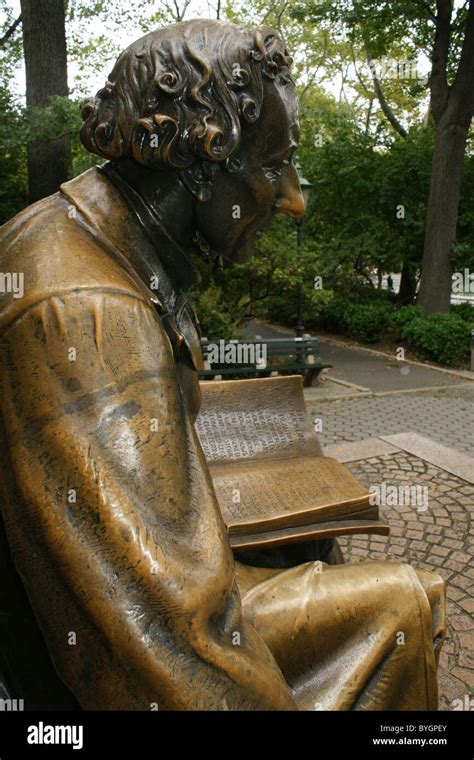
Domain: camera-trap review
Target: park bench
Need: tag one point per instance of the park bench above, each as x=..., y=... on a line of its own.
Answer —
x=284, y=356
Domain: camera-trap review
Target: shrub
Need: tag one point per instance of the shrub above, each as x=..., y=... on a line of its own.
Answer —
x=213, y=317
x=401, y=318
x=332, y=317
x=443, y=338
x=464, y=311
x=316, y=305
x=360, y=292
x=280, y=308
x=367, y=322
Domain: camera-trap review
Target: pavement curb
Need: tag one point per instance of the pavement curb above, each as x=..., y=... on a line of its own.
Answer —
x=446, y=458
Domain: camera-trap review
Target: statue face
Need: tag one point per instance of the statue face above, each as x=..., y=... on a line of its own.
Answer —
x=244, y=202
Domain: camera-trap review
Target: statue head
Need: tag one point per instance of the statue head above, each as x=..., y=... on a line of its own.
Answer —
x=215, y=105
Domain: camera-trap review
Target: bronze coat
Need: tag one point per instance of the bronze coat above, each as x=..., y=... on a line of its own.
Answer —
x=112, y=519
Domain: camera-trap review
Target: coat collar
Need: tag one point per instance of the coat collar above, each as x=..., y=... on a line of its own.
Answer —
x=120, y=220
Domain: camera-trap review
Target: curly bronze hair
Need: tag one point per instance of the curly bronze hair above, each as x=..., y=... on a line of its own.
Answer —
x=183, y=94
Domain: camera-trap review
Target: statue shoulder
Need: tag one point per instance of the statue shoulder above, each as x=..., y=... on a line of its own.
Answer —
x=47, y=250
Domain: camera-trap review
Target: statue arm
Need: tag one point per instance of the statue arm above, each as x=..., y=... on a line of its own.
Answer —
x=114, y=524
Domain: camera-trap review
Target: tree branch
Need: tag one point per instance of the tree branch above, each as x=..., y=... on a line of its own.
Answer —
x=178, y=13
x=361, y=81
x=10, y=31
x=279, y=18
x=384, y=105
x=463, y=86
x=439, y=59
x=427, y=9
x=387, y=111
x=369, y=114
x=267, y=14
x=316, y=68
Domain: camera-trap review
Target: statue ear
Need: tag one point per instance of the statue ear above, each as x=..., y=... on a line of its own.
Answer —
x=198, y=179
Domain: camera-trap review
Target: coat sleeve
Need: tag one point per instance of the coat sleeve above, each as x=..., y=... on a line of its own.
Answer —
x=112, y=519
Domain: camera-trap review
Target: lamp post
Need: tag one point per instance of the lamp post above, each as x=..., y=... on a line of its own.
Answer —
x=305, y=188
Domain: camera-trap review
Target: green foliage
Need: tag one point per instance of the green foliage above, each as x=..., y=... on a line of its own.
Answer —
x=267, y=282
x=401, y=318
x=14, y=185
x=213, y=317
x=361, y=171
x=463, y=248
x=317, y=304
x=358, y=190
x=333, y=317
x=61, y=118
x=367, y=322
x=464, y=311
x=356, y=290
x=443, y=338
x=18, y=127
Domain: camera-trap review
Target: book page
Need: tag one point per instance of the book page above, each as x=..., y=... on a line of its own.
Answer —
x=278, y=493
x=255, y=420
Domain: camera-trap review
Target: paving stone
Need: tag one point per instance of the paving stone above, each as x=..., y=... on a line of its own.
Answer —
x=461, y=557
x=460, y=622
x=467, y=604
x=466, y=640
x=465, y=583
x=464, y=675
x=456, y=593
x=450, y=688
x=466, y=659
x=371, y=417
x=436, y=542
x=441, y=550
x=457, y=566
x=442, y=537
x=452, y=543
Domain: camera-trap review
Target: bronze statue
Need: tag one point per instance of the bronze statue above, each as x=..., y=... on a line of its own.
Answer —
x=107, y=501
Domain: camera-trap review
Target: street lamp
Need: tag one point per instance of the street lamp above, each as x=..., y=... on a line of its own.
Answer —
x=305, y=189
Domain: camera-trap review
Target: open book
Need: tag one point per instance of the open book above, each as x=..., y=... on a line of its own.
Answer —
x=273, y=484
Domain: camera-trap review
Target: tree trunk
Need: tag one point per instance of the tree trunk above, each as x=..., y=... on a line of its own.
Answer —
x=442, y=215
x=452, y=107
x=407, y=289
x=44, y=44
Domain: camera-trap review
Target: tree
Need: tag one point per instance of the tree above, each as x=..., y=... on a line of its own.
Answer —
x=384, y=27
x=44, y=44
x=452, y=108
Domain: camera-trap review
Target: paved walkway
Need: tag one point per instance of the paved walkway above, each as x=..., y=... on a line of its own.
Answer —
x=439, y=538
x=365, y=367
x=445, y=415
x=367, y=396
x=379, y=372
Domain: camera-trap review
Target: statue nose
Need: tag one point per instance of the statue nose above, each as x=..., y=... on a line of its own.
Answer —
x=291, y=201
